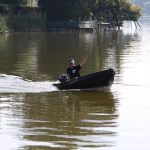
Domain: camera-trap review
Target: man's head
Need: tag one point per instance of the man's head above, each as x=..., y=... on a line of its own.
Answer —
x=71, y=62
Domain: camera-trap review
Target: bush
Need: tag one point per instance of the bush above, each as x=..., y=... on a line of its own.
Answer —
x=27, y=23
x=3, y=24
x=6, y=9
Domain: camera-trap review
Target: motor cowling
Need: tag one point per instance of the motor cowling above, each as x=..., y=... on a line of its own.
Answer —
x=63, y=78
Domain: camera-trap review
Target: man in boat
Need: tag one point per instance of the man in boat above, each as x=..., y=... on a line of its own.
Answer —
x=73, y=70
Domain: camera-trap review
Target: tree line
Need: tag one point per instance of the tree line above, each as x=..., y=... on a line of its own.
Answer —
x=14, y=2
x=111, y=11
x=106, y=10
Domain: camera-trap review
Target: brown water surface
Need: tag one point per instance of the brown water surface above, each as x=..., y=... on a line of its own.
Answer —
x=36, y=115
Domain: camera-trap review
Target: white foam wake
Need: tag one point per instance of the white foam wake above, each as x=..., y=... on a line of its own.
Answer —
x=16, y=84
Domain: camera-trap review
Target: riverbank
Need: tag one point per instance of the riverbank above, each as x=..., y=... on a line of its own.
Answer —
x=38, y=23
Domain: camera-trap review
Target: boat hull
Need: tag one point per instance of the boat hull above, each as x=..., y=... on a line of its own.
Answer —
x=94, y=80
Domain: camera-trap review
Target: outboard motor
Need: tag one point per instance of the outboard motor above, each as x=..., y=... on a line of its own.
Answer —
x=63, y=78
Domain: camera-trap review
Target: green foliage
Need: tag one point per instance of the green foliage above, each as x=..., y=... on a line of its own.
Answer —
x=6, y=9
x=62, y=10
x=135, y=13
x=13, y=2
x=27, y=23
x=23, y=18
x=116, y=11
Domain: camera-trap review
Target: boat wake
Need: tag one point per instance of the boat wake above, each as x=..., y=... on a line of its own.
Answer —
x=16, y=84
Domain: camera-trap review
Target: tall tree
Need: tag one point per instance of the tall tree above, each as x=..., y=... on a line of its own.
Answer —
x=67, y=9
x=113, y=11
x=116, y=11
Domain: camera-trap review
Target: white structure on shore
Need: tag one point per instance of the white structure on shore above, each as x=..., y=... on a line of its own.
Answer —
x=32, y=3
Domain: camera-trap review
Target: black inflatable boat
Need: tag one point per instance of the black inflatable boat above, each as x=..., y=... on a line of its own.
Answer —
x=94, y=80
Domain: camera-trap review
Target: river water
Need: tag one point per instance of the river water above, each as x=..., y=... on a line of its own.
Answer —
x=36, y=115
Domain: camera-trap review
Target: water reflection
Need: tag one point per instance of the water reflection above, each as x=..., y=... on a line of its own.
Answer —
x=65, y=120
x=40, y=56
x=115, y=119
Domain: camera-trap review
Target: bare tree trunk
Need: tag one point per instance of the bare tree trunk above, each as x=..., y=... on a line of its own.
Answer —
x=138, y=24
x=135, y=24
